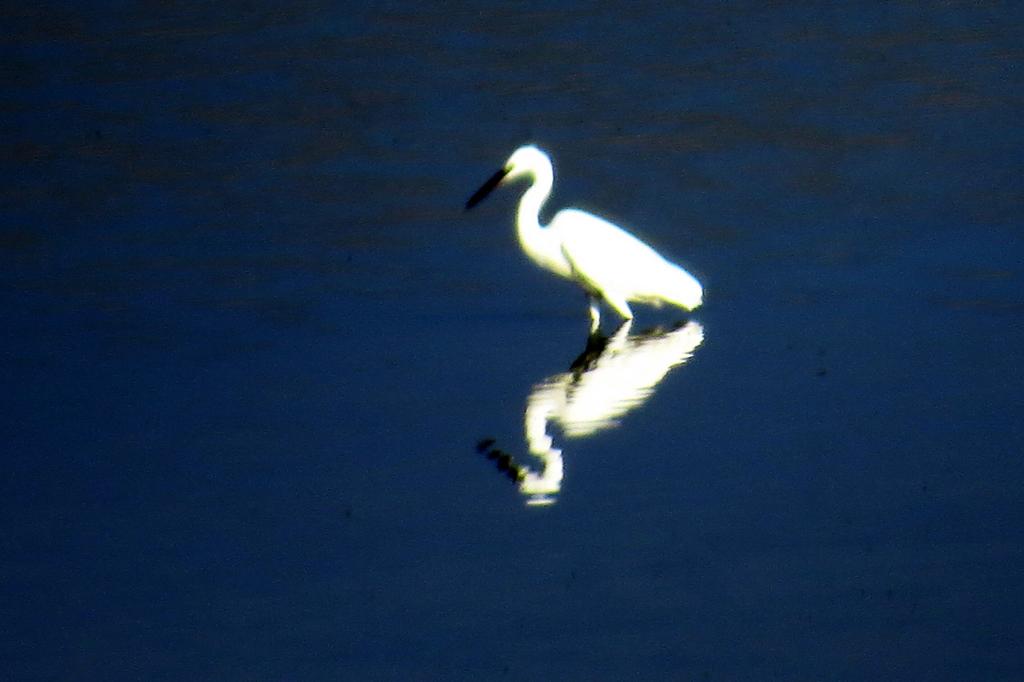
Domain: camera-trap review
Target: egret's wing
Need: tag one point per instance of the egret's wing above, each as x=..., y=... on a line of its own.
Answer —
x=603, y=256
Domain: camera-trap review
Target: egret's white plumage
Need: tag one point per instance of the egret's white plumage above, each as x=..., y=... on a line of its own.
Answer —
x=609, y=263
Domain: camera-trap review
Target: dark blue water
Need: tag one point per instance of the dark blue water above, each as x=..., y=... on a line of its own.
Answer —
x=250, y=340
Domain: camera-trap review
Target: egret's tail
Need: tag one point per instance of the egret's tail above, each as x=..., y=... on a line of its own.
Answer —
x=682, y=288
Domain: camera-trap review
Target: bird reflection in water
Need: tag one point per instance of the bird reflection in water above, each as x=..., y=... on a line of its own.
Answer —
x=612, y=376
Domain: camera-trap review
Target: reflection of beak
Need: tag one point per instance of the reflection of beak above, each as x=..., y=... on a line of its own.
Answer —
x=486, y=188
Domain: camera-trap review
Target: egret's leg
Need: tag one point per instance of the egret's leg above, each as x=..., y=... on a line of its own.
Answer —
x=619, y=305
x=619, y=338
x=595, y=315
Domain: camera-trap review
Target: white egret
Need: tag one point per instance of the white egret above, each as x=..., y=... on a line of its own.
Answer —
x=609, y=263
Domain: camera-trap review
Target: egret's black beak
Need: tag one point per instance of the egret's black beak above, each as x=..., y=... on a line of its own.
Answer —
x=486, y=188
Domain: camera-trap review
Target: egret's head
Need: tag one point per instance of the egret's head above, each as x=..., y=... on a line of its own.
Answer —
x=525, y=161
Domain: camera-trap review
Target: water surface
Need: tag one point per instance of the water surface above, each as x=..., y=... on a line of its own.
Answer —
x=251, y=341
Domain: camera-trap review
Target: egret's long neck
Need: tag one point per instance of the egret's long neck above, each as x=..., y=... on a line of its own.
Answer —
x=528, y=229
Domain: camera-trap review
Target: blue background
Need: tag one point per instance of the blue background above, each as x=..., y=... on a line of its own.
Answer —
x=250, y=338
